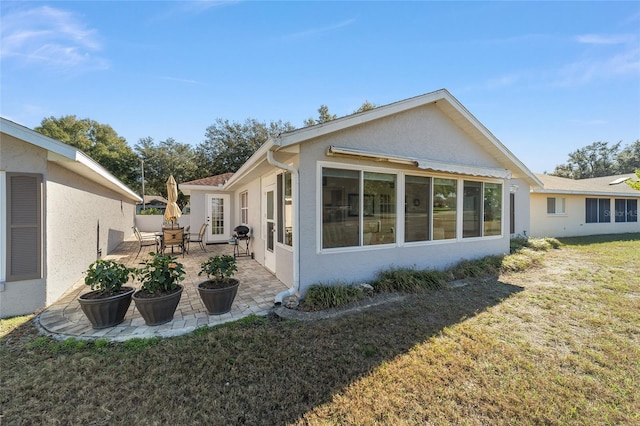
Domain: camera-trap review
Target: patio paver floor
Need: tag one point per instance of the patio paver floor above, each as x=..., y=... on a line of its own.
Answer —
x=256, y=293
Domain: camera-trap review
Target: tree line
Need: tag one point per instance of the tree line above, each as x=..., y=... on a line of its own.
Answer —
x=600, y=159
x=228, y=145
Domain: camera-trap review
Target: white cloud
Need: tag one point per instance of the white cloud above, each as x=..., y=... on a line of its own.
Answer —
x=620, y=64
x=50, y=37
x=604, y=39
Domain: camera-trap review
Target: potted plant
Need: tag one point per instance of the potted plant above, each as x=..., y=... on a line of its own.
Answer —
x=107, y=302
x=160, y=292
x=219, y=290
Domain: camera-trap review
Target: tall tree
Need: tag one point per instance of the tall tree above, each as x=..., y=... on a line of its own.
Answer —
x=595, y=160
x=165, y=158
x=99, y=141
x=636, y=184
x=228, y=145
x=323, y=116
x=629, y=158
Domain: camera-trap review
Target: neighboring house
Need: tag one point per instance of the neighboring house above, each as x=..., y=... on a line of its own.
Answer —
x=153, y=201
x=420, y=182
x=567, y=207
x=59, y=211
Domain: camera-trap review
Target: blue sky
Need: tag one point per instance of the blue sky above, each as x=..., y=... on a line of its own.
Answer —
x=545, y=78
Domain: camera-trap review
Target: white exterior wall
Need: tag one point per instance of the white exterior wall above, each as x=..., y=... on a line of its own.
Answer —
x=522, y=207
x=572, y=223
x=422, y=133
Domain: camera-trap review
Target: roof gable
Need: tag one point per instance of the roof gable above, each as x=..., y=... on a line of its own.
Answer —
x=443, y=100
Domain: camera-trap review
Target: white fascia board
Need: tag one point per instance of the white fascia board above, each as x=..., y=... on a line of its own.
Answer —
x=103, y=174
x=186, y=189
x=254, y=161
x=586, y=193
x=502, y=149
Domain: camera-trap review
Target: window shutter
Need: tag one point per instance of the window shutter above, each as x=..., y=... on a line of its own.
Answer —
x=24, y=219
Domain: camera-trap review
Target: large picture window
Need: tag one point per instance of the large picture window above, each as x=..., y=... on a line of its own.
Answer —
x=471, y=209
x=379, y=211
x=359, y=208
x=482, y=209
x=340, y=208
x=598, y=210
x=444, y=208
x=626, y=210
x=417, y=192
x=492, y=209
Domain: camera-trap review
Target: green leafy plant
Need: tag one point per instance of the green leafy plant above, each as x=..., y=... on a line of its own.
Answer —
x=160, y=275
x=107, y=276
x=151, y=211
x=219, y=267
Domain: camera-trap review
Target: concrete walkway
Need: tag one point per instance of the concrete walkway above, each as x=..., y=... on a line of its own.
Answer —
x=258, y=288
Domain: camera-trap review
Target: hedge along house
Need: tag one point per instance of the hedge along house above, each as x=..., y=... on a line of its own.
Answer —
x=59, y=211
x=569, y=208
x=420, y=182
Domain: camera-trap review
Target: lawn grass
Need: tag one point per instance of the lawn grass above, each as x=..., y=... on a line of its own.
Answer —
x=556, y=344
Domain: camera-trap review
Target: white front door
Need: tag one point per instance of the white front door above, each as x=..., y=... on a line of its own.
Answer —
x=269, y=220
x=218, y=218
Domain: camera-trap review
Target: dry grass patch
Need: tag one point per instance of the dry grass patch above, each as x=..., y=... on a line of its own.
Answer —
x=557, y=344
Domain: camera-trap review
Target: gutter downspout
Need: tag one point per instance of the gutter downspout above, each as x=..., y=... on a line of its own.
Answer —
x=296, y=223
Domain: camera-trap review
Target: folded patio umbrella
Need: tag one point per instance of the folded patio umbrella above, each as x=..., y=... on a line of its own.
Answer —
x=172, y=213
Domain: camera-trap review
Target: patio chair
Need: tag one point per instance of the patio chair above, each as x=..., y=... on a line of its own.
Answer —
x=145, y=240
x=187, y=237
x=200, y=237
x=172, y=238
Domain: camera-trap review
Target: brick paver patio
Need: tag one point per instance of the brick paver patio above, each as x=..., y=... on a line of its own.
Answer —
x=256, y=293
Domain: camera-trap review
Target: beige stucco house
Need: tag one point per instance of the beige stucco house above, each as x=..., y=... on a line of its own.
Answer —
x=420, y=182
x=567, y=207
x=59, y=211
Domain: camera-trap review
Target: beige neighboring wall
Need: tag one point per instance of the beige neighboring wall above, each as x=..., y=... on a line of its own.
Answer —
x=82, y=219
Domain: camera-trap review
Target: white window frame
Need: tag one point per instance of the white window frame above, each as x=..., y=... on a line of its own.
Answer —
x=244, y=207
x=400, y=194
x=556, y=212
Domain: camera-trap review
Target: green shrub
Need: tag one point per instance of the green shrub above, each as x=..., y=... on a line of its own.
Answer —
x=409, y=280
x=151, y=211
x=320, y=296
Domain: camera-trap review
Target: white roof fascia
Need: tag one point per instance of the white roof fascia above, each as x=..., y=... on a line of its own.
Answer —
x=186, y=189
x=587, y=193
x=67, y=156
x=461, y=109
x=254, y=161
x=426, y=164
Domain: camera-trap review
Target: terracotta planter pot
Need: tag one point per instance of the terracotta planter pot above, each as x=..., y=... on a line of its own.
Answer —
x=218, y=300
x=158, y=310
x=107, y=311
